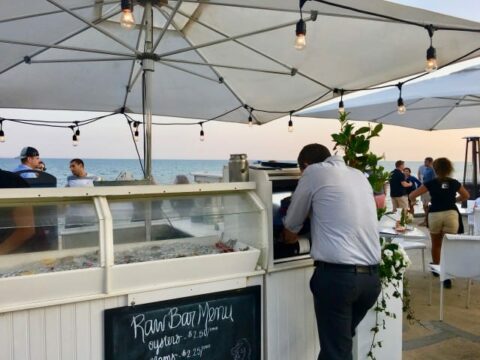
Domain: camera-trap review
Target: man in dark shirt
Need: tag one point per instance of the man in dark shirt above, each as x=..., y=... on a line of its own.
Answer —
x=398, y=185
x=16, y=224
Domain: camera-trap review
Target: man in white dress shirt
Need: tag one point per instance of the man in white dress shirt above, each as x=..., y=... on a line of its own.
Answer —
x=345, y=245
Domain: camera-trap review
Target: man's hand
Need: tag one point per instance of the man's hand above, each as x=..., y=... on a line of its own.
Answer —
x=289, y=237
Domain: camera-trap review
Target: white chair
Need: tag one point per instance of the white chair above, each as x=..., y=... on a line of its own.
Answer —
x=412, y=245
x=459, y=259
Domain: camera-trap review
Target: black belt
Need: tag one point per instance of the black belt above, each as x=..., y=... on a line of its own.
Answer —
x=346, y=268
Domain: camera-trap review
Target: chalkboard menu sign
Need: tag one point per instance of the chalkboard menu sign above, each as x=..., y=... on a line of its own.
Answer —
x=217, y=326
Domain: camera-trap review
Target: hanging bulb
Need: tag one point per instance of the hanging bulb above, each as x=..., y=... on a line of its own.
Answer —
x=2, y=136
x=250, y=121
x=74, y=140
x=431, y=64
x=136, y=135
x=290, y=125
x=127, y=20
x=77, y=133
x=341, y=107
x=401, y=109
x=202, y=135
x=300, y=31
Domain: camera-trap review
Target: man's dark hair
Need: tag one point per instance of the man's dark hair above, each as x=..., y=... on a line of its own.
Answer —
x=429, y=159
x=77, y=161
x=312, y=154
x=398, y=163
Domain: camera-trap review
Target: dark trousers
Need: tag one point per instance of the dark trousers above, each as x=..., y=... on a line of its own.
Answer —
x=341, y=301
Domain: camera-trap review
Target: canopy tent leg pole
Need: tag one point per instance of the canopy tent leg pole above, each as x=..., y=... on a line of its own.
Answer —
x=148, y=68
x=465, y=163
x=474, y=142
x=475, y=166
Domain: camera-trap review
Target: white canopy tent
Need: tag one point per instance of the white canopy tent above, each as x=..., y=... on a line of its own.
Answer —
x=445, y=100
x=220, y=60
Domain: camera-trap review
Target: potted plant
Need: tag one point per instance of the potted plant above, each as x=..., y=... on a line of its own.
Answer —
x=355, y=144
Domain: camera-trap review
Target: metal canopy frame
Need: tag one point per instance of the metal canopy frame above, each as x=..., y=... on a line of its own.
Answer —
x=148, y=55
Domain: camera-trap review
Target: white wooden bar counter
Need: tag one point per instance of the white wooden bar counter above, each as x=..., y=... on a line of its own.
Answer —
x=59, y=315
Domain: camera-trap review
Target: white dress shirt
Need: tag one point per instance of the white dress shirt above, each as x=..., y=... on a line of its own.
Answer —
x=343, y=217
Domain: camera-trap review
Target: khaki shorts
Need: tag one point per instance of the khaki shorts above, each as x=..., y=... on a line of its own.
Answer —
x=400, y=202
x=425, y=198
x=443, y=222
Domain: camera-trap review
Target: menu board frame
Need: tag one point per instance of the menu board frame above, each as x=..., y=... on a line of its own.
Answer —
x=222, y=325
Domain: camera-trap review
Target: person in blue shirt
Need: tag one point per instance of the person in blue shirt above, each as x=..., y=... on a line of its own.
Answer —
x=30, y=159
x=426, y=174
x=415, y=185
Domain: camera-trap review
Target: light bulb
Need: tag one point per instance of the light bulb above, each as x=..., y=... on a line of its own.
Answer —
x=77, y=133
x=202, y=135
x=300, y=31
x=2, y=136
x=401, y=109
x=341, y=107
x=250, y=121
x=290, y=125
x=431, y=64
x=135, y=136
x=74, y=140
x=300, y=42
x=127, y=20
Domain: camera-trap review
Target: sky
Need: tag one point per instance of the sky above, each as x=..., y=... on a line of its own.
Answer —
x=272, y=141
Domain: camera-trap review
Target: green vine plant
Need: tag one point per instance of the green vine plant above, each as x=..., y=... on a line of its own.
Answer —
x=355, y=144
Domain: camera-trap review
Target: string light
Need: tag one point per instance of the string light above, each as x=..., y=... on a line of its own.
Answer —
x=290, y=123
x=431, y=64
x=300, y=32
x=136, y=133
x=77, y=132
x=401, y=109
x=202, y=133
x=250, y=118
x=341, y=107
x=127, y=20
x=74, y=137
x=2, y=133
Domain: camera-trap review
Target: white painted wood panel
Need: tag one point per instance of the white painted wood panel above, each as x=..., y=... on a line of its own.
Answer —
x=291, y=332
x=96, y=327
x=53, y=331
x=63, y=332
x=75, y=331
x=36, y=334
x=83, y=330
x=67, y=333
x=6, y=336
x=20, y=335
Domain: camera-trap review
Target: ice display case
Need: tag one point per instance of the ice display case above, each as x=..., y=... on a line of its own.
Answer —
x=94, y=241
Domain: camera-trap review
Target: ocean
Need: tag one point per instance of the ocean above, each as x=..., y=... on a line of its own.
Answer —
x=164, y=171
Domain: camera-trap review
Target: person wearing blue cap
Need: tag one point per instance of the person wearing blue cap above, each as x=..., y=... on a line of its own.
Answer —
x=30, y=159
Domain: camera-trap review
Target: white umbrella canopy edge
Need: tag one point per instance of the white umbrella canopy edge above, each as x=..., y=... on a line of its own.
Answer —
x=443, y=101
x=234, y=86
